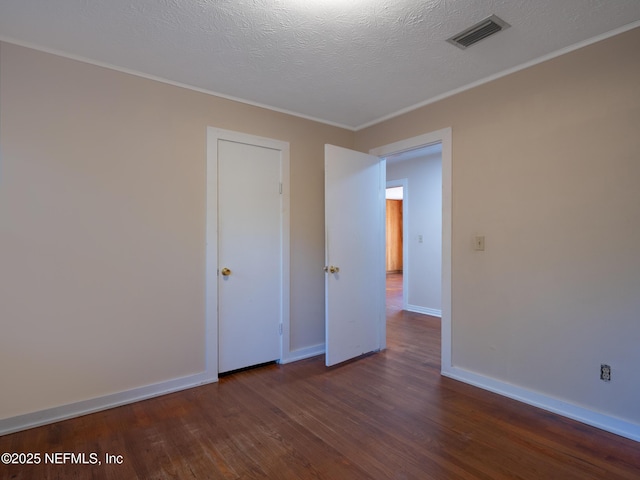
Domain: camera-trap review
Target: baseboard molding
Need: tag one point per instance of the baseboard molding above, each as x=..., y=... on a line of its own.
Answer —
x=84, y=407
x=569, y=410
x=424, y=310
x=303, y=353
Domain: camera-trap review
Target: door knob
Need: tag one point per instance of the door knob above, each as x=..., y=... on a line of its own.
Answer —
x=225, y=272
x=332, y=269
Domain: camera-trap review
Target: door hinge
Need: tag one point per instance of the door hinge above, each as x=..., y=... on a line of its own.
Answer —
x=280, y=188
x=280, y=329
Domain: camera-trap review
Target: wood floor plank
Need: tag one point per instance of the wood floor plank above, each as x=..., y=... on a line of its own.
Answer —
x=388, y=415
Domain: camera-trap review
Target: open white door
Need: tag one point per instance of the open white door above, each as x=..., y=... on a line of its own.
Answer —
x=354, y=253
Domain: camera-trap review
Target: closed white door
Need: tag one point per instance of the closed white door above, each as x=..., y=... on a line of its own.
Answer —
x=250, y=253
x=355, y=254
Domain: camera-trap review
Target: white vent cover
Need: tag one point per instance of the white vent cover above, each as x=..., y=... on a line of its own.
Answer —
x=481, y=30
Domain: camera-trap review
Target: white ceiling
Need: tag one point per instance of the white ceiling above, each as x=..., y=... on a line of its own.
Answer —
x=344, y=62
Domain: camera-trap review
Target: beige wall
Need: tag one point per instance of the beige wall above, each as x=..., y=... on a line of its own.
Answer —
x=102, y=227
x=546, y=165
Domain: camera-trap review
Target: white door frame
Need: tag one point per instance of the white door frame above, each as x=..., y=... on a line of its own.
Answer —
x=406, y=264
x=444, y=137
x=211, y=269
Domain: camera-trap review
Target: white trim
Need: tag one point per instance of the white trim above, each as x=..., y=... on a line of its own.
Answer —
x=444, y=137
x=302, y=353
x=406, y=263
x=382, y=279
x=211, y=257
x=211, y=293
x=84, y=407
x=569, y=410
x=504, y=73
x=424, y=310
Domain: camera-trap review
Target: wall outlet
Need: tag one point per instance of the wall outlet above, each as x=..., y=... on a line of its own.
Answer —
x=605, y=373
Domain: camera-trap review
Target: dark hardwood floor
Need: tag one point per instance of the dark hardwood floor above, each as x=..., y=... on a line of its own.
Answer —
x=388, y=415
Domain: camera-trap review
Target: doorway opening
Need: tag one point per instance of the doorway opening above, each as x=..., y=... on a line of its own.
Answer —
x=394, y=248
x=394, y=230
x=415, y=277
x=414, y=228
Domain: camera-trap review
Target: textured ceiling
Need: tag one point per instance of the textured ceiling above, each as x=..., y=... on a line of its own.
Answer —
x=344, y=62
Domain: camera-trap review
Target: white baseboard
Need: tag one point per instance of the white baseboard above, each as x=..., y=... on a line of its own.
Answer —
x=303, y=353
x=569, y=410
x=424, y=310
x=64, y=412
x=84, y=407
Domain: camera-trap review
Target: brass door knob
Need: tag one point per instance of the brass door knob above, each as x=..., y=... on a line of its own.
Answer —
x=332, y=269
x=225, y=272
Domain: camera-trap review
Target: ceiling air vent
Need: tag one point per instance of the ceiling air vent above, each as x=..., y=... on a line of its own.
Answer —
x=479, y=31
